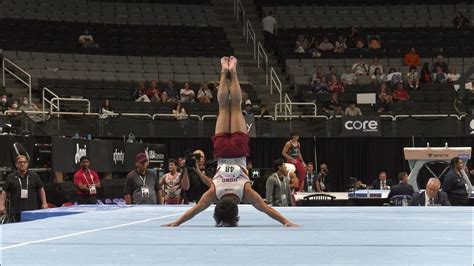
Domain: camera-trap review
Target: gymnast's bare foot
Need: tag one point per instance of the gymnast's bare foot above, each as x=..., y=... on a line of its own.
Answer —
x=225, y=64
x=232, y=64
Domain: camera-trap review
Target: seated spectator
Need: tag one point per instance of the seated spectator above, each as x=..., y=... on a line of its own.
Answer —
x=4, y=103
x=374, y=66
x=263, y=110
x=205, y=94
x=385, y=91
x=403, y=188
x=382, y=182
x=172, y=91
x=30, y=107
x=337, y=111
x=453, y=75
x=340, y=46
x=360, y=185
x=323, y=179
x=378, y=77
x=348, y=78
x=425, y=73
x=431, y=196
x=13, y=107
x=374, y=42
x=460, y=20
x=106, y=109
x=440, y=63
x=353, y=110
x=248, y=110
x=413, y=78
x=333, y=102
x=360, y=44
x=383, y=105
x=165, y=98
x=412, y=58
x=394, y=76
x=400, y=94
x=335, y=86
x=301, y=44
x=325, y=45
x=332, y=71
x=141, y=96
x=179, y=112
x=186, y=93
x=360, y=68
x=317, y=75
x=439, y=76
x=353, y=36
x=87, y=41
x=322, y=86
x=153, y=92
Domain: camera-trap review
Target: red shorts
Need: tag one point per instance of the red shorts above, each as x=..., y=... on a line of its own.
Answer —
x=233, y=145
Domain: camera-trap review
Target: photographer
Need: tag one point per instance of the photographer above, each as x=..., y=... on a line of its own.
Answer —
x=196, y=178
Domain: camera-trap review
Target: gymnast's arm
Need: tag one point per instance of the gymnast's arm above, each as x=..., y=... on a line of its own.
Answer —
x=284, y=152
x=254, y=198
x=206, y=200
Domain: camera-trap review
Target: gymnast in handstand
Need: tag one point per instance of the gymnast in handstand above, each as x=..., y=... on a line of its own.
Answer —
x=231, y=184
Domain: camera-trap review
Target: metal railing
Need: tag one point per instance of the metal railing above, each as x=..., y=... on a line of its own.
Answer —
x=238, y=12
x=276, y=82
x=263, y=55
x=287, y=106
x=10, y=67
x=250, y=34
x=174, y=116
x=54, y=102
x=47, y=92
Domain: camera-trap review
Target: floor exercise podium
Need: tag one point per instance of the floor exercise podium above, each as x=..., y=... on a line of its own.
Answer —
x=419, y=157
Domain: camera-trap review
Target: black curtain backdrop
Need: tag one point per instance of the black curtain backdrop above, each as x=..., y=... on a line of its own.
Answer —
x=362, y=158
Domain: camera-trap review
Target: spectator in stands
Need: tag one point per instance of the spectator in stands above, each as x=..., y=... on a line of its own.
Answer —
x=360, y=44
x=440, y=63
x=432, y=196
x=165, y=98
x=23, y=188
x=316, y=78
x=301, y=44
x=332, y=71
x=413, y=78
x=140, y=95
x=26, y=106
x=263, y=110
x=172, y=91
x=335, y=85
x=4, y=103
x=87, y=41
x=453, y=75
x=384, y=90
x=269, y=28
x=360, y=68
x=360, y=185
x=403, y=188
x=378, y=77
x=440, y=76
x=179, y=112
x=142, y=186
x=204, y=94
x=353, y=110
x=248, y=111
x=322, y=86
x=106, y=109
x=13, y=107
x=186, y=93
x=348, y=78
x=153, y=92
x=325, y=45
x=425, y=73
x=374, y=42
x=460, y=20
x=337, y=111
x=383, y=105
x=412, y=58
x=340, y=46
x=277, y=186
x=353, y=36
x=382, y=182
x=193, y=184
x=87, y=182
x=394, y=76
x=400, y=94
x=454, y=184
x=376, y=64
x=322, y=181
x=171, y=184
x=333, y=102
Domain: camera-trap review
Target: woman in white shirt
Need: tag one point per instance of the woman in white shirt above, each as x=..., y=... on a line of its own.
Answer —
x=187, y=94
x=453, y=75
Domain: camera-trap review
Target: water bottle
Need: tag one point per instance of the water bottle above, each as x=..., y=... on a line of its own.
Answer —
x=404, y=201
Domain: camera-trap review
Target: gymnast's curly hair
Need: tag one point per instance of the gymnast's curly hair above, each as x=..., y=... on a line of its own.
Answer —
x=226, y=213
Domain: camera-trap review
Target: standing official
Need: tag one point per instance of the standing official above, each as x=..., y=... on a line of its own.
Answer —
x=87, y=182
x=142, y=186
x=454, y=184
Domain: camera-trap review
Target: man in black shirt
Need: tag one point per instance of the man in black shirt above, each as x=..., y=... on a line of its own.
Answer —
x=455, y=185
x=382, y=182
x=193, y=186
x=403, y=188
x=23, y=188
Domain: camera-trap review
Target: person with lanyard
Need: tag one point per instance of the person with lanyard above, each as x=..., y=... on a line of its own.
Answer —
x=23, y=188
x=231, y=184
x=87, y=182
x=278, y=193
x=322, y=180
x=292, y=152
x=171, y=184
x=310, y=185
x=142, y=186
x=455, y=185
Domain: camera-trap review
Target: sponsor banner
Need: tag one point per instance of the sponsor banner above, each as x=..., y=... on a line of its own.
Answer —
x=251, y=126
x=361, y=126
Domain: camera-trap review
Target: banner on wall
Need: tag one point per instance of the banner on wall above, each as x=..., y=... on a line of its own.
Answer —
x=250, y=123
x=104, y=155
x=361, y=126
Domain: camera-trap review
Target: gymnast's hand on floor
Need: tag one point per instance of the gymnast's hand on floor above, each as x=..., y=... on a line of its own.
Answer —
x=290, y=224
x=173, y=224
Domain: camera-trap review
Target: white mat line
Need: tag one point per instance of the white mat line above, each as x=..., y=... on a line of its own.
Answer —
x=88, y=231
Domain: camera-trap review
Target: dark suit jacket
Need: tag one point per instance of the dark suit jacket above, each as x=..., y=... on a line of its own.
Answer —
x=376, y=183
x=419, y=199
x=401, y=189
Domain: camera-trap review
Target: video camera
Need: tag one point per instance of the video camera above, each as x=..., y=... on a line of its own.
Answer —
x=191, y=159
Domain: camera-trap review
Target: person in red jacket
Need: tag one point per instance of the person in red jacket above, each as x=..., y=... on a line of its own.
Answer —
x=87, y=182
x=400, y=94
x=412, y=58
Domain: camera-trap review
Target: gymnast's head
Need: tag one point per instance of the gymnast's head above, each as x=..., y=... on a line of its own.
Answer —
x=226, y=212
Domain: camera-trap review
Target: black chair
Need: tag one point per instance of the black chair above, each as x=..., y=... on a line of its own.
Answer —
x=398, y=200
x=318, y=199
